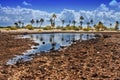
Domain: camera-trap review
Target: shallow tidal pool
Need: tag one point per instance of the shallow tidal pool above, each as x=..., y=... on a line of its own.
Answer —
x=48, y=42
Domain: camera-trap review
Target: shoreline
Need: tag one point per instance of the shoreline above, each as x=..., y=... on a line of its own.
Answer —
x=36, y=31
x=84, y=60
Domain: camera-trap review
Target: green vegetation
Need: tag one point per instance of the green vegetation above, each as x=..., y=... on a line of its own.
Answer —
x=47, y=28
x=70, y=25
x=29, y=27
x=70, y=28
x=13, y=28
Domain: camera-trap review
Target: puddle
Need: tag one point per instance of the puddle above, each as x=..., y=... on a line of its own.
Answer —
x=48, y=42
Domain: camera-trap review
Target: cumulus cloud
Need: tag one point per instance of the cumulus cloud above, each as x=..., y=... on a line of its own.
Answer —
x=26, y=3
x=67, y=15
x=10, y=15
x=114, y=3
x=23, y=14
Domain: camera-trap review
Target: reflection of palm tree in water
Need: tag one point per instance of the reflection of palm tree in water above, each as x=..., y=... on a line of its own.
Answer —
x=37, y=37
x=87, y=36
x=90, y=36
x=62, y=40
x=68, y=39
x=73, y=38
x=81, y=37
x=41, y=39
x=53, y=43
x=31, y=36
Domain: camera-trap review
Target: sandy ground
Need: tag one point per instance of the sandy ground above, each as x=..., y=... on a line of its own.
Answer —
x=40, y=30
x=96, y=59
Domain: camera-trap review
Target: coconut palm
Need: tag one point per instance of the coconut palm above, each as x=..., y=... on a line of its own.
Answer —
x=63, y=21
x=37, y=22
x=88, y=24
x=74, y=22
x=100, y=26
x=22, y=24
x=69, y=22
x=19, y=22
x=110, y=26
x=81, y=20
x=32, y=21
x=16, y=24
x=91, y=22
x=41, y=21
x=54, y=16
x=116, y=25
x=51, y=21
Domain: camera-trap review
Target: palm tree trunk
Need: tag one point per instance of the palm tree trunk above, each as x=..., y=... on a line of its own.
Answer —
x=40, y=24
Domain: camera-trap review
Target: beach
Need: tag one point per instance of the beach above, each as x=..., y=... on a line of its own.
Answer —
x=95, y=59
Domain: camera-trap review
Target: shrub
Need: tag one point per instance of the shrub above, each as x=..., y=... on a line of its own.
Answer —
x=47, y=28
x=63, y=29
x=80, y=27
x=58, y=27
x=76, y=28
x=85, y=29
x=29, y=27
x=68, y=28
x=7, y=29
x=13, y=28
x=39, y=30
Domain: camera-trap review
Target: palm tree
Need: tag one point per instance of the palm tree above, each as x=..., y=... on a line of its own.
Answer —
x=100, y=26
x=22, y=24
x=74, y=22
x=16, y=24
x=37, y=22
x=110, y=26
x=88, y=24
x=69, y=22
x=41, y=21
x=63, y=21
x=32, y=21
x=51, y=21
x=19, y=22
x=116, y=25
x=54, y=17
x=81, y=20
x=91, y=22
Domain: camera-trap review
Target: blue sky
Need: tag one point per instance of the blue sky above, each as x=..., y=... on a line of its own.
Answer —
x=56, y=5
x=107, y=11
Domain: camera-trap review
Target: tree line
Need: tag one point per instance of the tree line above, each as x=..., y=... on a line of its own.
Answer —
x=90, y=24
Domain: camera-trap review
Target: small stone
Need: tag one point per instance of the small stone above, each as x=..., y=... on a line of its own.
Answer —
x=94, y=75
x=98, y=52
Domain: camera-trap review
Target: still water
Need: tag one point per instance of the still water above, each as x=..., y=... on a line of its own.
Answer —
x=48, y=42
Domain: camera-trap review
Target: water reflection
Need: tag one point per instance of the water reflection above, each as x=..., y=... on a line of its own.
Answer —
x=48, y=42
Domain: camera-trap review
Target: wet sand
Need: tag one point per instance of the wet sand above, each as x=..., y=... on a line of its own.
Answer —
x=96, y=59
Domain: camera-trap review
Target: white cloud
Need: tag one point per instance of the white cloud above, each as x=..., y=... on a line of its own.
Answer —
x=26, y=3
x=114, y=3
x=103, y=8
x=10, y=15
x=67, y=15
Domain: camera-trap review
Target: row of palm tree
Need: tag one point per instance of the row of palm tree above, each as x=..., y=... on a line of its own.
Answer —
x=19, y=24
x=54, y=16
x=37, y=21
